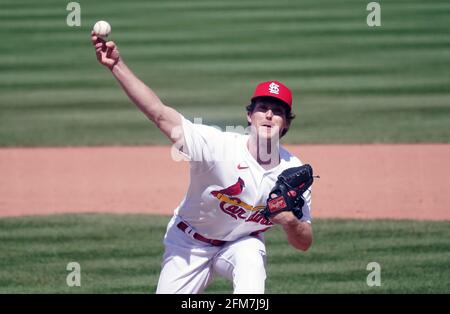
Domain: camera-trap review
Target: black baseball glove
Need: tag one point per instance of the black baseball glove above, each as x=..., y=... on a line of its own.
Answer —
x=287, y=194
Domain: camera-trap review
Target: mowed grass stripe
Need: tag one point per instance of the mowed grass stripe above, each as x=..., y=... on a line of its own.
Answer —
x=224, y=32
x=122, y=253
x=398, y=61
x=321, y=48
x=211, y=51
x=340, y=82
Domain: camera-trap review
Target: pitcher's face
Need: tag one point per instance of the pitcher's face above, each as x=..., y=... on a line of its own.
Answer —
x=268, y=118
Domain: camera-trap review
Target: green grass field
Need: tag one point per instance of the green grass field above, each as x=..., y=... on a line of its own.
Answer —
x=352, y=83
x=122, y=254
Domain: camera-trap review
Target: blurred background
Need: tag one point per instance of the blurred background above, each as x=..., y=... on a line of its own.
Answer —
x=352, y=83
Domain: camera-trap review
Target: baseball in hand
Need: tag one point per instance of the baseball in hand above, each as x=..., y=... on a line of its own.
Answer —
x=102, y=28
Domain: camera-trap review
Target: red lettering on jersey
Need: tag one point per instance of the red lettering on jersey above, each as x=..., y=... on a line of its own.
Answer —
x=233, y=210
x=235, y=207
x=258, y=218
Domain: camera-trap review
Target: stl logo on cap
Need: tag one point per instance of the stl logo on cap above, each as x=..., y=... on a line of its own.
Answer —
x=274, y=88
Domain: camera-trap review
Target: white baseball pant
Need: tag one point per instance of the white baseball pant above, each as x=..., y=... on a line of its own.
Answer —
x=189, y=265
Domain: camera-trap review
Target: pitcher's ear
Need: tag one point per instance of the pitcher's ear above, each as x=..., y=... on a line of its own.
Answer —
x=249, y=119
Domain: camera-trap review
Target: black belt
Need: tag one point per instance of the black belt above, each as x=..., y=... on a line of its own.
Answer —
x=183, y=226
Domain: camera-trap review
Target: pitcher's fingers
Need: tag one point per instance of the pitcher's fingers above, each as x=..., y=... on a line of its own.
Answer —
x=96, y=39
x=108, y=52
x=111, y=45
x=99, y=55
x=100, y=46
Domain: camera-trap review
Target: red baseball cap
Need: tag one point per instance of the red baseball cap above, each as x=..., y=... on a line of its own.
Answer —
x=274, y=89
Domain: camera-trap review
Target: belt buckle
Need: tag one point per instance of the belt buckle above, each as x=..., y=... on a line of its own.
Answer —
x=189, y=231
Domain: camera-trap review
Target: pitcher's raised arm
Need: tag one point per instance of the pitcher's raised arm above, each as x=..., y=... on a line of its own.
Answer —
x=164, y=117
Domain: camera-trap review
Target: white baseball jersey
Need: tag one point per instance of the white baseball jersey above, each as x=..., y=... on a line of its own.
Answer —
x=228, y=187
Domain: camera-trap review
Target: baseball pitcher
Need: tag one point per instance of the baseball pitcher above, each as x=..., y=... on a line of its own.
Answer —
x=241, y=185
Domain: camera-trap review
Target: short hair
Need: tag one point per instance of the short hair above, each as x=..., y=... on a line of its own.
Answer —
x=289, y=115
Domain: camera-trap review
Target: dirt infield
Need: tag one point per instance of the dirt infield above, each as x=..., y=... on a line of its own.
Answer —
x=357, y=181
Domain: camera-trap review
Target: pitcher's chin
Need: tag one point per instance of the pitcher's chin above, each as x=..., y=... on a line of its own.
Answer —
x=266, y=133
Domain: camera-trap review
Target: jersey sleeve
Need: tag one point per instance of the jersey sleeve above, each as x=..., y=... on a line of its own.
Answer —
x=201, y=143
